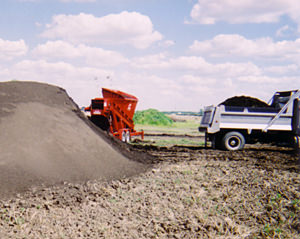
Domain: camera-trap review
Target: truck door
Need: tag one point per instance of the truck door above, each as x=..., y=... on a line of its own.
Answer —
x=296, y=117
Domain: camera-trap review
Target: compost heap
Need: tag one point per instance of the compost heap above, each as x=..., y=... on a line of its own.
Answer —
x=45, y=140
x=244, y=101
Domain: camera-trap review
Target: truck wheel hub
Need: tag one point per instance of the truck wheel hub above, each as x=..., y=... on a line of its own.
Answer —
x=233, y=142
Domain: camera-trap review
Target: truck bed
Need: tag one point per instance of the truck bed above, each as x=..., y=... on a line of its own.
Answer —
x=250, y=118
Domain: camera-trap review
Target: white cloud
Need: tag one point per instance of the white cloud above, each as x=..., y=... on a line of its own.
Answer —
x=167, y=43
x=61, y=72
x=237, y=69
x=157, y=61
x=207, y=90
x=12, y=49
x=185, y=83
x=130, y=28
x=190, y=63
x=194, y=64
x=163, y=61
x=262, y=80
x=198, y=84
x=283, y=70
x=60, y=50
x=159, y=81
x=152, y=90
x=81, y=83
x=237, y=46
x=246, y=11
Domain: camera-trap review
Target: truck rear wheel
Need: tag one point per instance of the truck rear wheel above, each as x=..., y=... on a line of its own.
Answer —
x=233, y=141
x=216, y=141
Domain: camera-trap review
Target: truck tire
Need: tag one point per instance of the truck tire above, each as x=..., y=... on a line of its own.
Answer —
x=216, y=141
x=233, y=141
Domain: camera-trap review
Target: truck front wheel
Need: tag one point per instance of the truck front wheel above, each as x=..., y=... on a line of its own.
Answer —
x=233, y=141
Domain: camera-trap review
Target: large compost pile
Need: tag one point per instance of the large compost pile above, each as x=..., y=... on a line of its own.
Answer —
x=244, y=101
x=45, y=140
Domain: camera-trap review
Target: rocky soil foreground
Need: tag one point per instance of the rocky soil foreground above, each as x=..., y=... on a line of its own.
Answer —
x=189, y=193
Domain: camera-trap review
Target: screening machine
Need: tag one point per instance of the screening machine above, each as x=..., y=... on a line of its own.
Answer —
x=114, y=112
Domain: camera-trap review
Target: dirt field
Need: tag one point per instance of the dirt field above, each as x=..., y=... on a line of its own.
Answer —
x=132, y=191
x=189, y=193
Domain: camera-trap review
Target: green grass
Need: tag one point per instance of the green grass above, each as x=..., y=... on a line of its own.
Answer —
x=156, y=123
x=177, y=141
x=152, y=117
x=187, y=127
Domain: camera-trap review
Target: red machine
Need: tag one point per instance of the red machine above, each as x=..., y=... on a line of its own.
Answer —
x=114, y=112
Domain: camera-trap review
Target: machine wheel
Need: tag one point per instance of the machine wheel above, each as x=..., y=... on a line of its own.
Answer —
x=127, y=137
x=233, y=141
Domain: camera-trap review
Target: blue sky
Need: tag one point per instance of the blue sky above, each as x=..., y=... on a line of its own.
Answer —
x=171, y=54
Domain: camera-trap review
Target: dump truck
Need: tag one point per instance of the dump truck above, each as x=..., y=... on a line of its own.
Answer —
x=231, y=127
x=114, y=113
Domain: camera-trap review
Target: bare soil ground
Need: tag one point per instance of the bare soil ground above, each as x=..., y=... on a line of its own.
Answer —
x=191, y=192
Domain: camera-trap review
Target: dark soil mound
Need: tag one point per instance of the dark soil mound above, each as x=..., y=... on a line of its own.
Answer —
x=45, y=140
x=244, y=101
